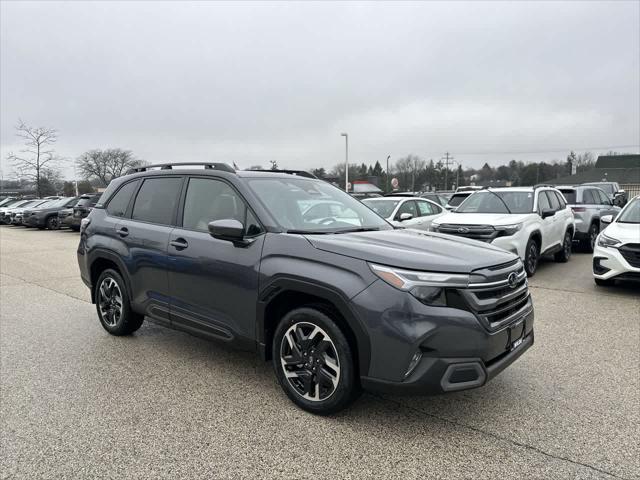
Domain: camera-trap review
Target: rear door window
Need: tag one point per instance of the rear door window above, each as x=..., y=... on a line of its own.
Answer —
x=120, y=201
x=604, y=199
x=157, y=200
x=560, y=198
x=426, y=208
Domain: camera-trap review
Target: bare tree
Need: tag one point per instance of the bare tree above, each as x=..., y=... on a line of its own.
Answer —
x=105, y=165
x=38, y=157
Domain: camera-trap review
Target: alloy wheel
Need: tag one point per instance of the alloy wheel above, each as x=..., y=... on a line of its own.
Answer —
x=532, y=258
x=53, y=223
x=310, y=361
x=110, y=301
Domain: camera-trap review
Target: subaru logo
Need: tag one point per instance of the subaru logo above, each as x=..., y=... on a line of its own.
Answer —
x=463, y=230
x=512, y=279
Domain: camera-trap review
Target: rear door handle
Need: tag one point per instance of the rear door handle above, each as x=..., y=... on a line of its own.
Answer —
x=123, y=231
x=179, y=243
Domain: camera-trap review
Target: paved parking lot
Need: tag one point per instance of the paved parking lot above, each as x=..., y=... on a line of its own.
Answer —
x=78, y=403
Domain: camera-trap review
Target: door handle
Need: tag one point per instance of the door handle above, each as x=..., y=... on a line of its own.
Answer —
x=179, y=243
x=123, y=231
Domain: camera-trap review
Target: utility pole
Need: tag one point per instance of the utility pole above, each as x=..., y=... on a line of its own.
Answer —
x=388, y=185
x=346, y=161
x=447, y=158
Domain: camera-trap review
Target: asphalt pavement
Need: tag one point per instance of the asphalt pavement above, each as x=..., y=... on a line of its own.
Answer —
x=76, y=402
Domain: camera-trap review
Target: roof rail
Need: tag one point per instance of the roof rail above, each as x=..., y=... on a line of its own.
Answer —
x=224, y=167
x=540, y=185
x=299, y=173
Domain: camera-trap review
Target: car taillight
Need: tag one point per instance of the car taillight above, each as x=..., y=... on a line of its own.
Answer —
x=84, y=224
x=578, y=209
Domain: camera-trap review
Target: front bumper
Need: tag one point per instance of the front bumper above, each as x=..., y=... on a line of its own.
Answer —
x=33, y=221
x=608, y=263
x=441, y=375
x=458, y=350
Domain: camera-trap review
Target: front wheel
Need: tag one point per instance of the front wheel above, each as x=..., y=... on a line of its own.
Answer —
x=53, y=223
x=112, y=303
x=313, y=362
x=564, y=255
x=531, y=258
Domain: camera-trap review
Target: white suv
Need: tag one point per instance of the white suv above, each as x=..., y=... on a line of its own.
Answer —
x=529, y=221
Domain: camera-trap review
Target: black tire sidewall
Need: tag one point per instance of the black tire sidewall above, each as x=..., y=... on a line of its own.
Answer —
x=565, y=254
x=129, y=321
x=346, y=390
x=526, y=257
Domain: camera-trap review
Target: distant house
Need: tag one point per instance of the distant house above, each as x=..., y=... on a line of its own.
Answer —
x=624, y=169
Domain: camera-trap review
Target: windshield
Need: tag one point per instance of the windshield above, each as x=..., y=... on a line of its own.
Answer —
x=8, y=201
x=631, y=214
x=313, y=206
x=384, y=208
x=494, y=202
x=457, y=198
x=607, y=187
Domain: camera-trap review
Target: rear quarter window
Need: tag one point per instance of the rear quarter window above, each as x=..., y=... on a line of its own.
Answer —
x=118, y=204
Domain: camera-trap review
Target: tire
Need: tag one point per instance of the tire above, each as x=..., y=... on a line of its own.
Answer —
x=532, y=256
x=53, y=223
x=564, y=255
x=113, y=305
x=324, y=380
x=590, y=241
x=603, y=283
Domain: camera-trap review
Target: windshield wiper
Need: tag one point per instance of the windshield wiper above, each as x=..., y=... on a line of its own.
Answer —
x=309, y=232
x=359, y=229
x=503, y=202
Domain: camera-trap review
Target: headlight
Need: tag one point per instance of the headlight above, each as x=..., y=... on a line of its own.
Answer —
x=604, y=241
x=428, y=287
x=506, y=230
x=434, y=227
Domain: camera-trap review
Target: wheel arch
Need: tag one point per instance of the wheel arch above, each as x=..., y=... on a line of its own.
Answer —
x=99, y=261
x=285, y=294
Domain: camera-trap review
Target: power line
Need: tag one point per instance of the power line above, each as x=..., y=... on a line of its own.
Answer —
x=559, y=150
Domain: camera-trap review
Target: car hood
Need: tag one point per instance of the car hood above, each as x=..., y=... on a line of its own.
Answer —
x=483, y=218
x=625, y=232
x=414, y=249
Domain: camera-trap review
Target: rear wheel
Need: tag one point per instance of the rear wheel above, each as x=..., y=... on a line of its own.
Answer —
x=590, y=241
x=112, y=304
x=313, y=362
x=53, y=223
x=565, y=254
x=532, y=254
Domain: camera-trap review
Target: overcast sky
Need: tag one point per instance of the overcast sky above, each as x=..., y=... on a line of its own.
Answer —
x=248, y=83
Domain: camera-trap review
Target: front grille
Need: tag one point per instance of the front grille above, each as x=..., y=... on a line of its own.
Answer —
x=631, y=253
x=495, y=301
x=484, y=233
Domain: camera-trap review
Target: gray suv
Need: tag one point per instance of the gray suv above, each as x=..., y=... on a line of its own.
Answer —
x=336, y=304
x=588, y=204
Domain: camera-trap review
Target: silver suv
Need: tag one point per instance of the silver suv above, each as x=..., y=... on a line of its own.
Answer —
x=589, y=204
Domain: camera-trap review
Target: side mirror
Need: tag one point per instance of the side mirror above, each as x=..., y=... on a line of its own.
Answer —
x=405, y=216
x=226, y=229
x=606, y=219
x=547, y=212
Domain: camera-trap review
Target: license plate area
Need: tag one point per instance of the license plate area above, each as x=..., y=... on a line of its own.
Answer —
x=516, y=335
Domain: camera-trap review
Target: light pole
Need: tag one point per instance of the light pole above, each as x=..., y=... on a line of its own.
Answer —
x=388, y=179
x=346, y=161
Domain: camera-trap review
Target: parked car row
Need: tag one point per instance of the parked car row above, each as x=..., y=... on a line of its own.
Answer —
x=51, y=213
